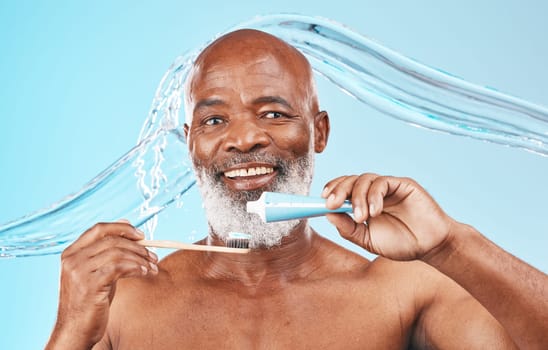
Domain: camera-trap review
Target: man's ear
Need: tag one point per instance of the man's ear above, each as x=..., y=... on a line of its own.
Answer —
x=185, y=129
x=321, y=131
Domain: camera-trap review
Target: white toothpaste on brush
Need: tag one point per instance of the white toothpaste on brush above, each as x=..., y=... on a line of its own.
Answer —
x=273, y=206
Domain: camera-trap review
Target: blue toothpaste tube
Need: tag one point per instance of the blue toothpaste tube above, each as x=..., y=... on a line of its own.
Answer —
x=272, y=206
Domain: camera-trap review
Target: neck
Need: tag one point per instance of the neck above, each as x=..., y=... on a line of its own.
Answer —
x=294, y=258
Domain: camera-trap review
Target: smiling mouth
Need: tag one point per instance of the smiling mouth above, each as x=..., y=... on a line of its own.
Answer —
x=250, y=177
x=248, y=172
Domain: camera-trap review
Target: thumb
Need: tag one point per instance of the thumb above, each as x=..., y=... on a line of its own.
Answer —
x=349, y=229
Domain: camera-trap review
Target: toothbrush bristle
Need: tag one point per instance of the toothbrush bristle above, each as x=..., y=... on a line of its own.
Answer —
x=238, y=243
x=238, y=240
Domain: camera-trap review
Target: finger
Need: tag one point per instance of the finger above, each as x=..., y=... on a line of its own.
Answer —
x=107, y=262
x=332, y=184
x=110, y=242
x=381, y=189
x=101, y=230
x=359, y=197
x=349, y=229
x=340, y=192
x=108, y=274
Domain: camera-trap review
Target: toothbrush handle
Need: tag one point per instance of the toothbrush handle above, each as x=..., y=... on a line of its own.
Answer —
x=187, y=246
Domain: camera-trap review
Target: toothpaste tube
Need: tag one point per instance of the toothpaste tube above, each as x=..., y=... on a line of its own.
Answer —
x=272, y=206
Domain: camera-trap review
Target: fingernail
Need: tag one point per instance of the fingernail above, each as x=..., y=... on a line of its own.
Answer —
x=153, y=267
x=324, y=192
x=152, y=255
x=140, y=233
x=357, y=213
x=144, y=270
x=331, y=198
x=371, y=208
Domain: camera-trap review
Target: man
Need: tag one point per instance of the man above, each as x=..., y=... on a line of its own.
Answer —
x=254, y=124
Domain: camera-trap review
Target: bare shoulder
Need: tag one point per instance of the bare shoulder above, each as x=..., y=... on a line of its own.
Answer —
x=176, y=268
x=145, y=300
x=379, y=300
x=405, y=286
x=410, y=272
x=412, y=283
x=445, y=315
x=413, y=273
x=432, y=310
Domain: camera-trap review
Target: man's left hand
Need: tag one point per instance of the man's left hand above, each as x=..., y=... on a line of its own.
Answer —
x=393, y=217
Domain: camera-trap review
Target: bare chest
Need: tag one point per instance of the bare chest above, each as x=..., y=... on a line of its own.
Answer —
x=322, y=317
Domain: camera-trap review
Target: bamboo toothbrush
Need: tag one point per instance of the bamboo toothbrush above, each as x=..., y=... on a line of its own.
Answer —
x=237, y=243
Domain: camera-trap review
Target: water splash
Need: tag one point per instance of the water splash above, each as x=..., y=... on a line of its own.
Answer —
x=156, y=172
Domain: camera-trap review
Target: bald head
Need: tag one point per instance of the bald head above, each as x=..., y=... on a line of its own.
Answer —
x=247, y=44
x=256, y=55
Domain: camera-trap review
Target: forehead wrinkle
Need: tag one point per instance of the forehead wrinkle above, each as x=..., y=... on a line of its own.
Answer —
x=209, y=102
x=272, y=99
x=274, y=75
x=243, y=69
x=204, y=72
x=266, y=61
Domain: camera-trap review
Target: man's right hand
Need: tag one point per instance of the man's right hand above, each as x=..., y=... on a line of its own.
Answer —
x=90, y=268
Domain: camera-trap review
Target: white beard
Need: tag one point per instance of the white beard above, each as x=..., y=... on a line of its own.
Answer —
x=226, y=209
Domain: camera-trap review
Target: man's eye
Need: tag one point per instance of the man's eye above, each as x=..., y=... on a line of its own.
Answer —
x=273, y=115
x=213, y=121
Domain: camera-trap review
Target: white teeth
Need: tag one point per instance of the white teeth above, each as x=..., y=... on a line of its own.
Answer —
x=249, y=172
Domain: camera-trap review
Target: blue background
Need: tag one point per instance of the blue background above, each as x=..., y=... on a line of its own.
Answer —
x=77, y=79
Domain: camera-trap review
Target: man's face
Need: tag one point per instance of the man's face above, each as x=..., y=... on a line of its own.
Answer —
x=252, y=130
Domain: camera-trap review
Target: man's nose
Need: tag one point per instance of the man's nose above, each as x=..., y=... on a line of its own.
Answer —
x=245, y=136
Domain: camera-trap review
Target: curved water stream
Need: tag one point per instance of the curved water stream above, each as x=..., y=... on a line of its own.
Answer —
x=157, y=172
